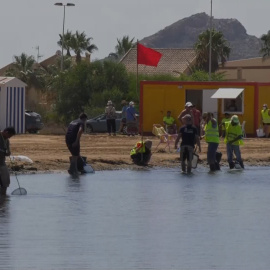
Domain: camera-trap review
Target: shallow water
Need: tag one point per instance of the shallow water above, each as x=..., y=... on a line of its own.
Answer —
x=156, y=219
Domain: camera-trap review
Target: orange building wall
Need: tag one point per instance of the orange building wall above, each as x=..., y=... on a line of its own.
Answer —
x=158, y=97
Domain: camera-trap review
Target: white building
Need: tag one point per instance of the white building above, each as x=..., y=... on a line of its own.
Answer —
x=12, y=103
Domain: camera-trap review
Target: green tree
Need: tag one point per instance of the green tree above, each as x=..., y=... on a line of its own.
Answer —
x=80, y=43
x=265, y=50
x=124, y=45
x=74, y=90
x=202, y=76
x=67, y=41
x=220, y=50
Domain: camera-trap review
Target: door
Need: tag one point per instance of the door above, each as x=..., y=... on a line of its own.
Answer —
x=209, y=104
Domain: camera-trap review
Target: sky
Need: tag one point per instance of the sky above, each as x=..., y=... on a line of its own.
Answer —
x=28, y=24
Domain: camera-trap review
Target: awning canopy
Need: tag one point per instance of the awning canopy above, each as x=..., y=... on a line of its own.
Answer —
x=230, y=93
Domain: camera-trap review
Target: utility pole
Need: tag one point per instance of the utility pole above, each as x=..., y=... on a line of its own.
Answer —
x=210, y=44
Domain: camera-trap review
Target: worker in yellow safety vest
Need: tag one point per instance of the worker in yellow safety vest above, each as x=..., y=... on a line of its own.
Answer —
x=233, y=140
x=224, y=120
x=212, y=139
x=265, y=119
x=141, y=152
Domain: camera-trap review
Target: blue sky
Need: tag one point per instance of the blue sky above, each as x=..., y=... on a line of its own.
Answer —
x=24, y=25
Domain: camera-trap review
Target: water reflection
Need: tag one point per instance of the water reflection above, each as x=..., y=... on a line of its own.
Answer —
x=5, y=256
x=157, y=219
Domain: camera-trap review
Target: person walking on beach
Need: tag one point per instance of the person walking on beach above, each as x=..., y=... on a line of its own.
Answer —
x=212, y=139
x=233, y=140
x=5, y=151
x=73, y=137
x=265, y=119
x=110, y=118
x=189, y=135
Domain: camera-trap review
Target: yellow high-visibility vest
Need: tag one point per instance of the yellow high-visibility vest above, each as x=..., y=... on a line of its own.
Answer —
x=211, y=133
x=232, y=132
x=265, y=116
x=140, y=146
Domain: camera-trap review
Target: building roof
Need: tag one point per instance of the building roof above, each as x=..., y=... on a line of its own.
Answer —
x=173, y=61
x=6, y=80
x=250, y=62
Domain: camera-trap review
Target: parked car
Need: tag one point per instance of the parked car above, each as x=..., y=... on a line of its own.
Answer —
x=33, y=122
x=99, y=124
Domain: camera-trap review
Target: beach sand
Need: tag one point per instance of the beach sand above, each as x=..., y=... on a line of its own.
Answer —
x=50, y=154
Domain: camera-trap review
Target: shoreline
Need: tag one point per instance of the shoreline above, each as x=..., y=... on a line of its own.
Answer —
x=50, y=154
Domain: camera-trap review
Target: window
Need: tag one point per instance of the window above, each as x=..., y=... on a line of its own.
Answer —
x=233, y=105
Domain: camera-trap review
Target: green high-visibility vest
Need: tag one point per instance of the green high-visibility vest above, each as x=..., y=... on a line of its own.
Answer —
x=265, y=116
x=232, y=132
x=224, y=121
x=140, y=146
x=211, y=133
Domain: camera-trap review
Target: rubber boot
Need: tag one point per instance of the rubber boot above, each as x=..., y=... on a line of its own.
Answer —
x=231, y=164
x=217, y=166
x=242, y=164
x=73, y=168
x=212, y=167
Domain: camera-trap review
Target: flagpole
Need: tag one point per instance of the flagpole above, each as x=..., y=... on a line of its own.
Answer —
x=137, y=90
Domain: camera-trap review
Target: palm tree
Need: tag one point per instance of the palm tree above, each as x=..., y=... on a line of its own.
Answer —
x=123, y=45
x=80, y=43
x=24, y=69
x=67, y=41
x=265, y=50
x=220, y=50
x=23, y=62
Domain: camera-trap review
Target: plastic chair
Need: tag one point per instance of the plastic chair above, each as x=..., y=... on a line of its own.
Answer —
x=163, y=136
x=243, y=129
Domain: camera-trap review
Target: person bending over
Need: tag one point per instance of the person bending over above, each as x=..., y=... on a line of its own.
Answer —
x=141, y=152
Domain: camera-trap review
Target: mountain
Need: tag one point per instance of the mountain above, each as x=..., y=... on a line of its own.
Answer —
x=185, y=32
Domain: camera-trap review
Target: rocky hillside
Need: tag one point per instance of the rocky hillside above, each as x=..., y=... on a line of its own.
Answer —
x=184, y=33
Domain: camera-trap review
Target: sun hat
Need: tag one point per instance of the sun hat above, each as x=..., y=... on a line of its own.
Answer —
x=131, y=103
x=109, y=102
x=188, y=104
x=235, y=119
x=123, y=102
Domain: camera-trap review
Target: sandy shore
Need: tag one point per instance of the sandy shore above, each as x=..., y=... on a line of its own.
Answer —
x=49, y=152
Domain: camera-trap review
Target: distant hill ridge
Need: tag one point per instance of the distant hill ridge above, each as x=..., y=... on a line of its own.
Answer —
x=184, y=34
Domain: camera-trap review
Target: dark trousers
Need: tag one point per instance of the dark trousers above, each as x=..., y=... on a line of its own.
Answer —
x=111, y=126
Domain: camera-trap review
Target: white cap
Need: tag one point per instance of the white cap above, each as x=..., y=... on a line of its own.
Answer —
x=188, y=104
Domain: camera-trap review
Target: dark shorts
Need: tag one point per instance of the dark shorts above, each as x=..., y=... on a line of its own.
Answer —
x=75, y=151
x=124, y=120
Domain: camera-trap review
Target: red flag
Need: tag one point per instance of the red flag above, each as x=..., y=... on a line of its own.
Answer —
x=147, y=56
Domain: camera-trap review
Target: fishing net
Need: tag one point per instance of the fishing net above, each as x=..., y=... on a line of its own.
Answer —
x=19, y=191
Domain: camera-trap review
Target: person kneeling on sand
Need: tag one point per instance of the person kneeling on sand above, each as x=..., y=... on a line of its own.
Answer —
x=233, y=140
x=5, y=151
x=73, y=136
x=141, y=152
x=189, y=136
